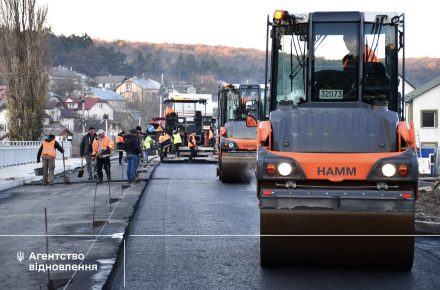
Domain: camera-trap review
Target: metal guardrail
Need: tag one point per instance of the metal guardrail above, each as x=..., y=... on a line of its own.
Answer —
x=23, y=152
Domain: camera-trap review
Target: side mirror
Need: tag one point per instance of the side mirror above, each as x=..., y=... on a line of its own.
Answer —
x=251, y=121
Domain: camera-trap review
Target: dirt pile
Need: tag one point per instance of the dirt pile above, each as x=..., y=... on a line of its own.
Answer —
x=428, y=205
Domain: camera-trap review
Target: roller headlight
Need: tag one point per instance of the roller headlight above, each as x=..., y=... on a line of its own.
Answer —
x=284, y=169
x=388, y=170
x=228, y=145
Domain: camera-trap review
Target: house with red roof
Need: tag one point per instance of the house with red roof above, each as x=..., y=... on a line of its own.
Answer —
x=91, y=108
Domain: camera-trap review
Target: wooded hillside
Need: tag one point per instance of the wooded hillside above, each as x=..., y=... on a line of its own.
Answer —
x=180, y=62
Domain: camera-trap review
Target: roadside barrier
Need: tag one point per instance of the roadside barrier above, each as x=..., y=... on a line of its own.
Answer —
x=23, y=152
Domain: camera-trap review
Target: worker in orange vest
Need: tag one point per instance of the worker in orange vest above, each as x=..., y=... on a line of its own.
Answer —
x=164, y=139
x=120, y=145
x=352, y=57
x=48, y=152
x=350, y=63
x=102, y=148
x=211, y=138
x=168, y=111
x=192, y=144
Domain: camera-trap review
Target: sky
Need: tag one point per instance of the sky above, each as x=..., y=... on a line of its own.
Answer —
x=235, y=23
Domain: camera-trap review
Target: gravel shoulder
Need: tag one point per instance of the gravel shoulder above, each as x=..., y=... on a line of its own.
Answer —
x=428, y=203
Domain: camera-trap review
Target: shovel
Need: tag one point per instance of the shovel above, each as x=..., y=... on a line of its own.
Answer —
x=81, y=170
x=66, y=179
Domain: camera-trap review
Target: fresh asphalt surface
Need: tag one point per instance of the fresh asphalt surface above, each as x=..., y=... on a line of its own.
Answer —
x=183, y=201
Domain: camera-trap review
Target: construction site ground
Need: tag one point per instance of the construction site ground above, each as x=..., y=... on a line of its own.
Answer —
x=428, y=203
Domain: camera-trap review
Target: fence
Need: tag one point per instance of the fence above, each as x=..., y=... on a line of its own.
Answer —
x=23, y=152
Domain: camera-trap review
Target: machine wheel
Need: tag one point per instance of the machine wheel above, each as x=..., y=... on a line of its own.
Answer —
x=218, y=173
x=363, y=239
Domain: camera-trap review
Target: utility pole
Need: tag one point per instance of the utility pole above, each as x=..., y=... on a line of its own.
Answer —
x=160, y=96
x=86, y=91
x=83, y=117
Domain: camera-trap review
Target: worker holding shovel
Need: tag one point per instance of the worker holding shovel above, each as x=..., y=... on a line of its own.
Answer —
x=48, y=153
x=102, y=148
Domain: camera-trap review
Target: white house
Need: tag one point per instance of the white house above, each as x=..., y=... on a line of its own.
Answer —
x=53, y=108
x=117, y=101
x=109, y=82
x=67, y=119
x=3, y=112
x=56, y=112
x=4, y=128
x=94, y=108
x=409, y=87
x=138, y=88
x=423, y=107
x=67, y=82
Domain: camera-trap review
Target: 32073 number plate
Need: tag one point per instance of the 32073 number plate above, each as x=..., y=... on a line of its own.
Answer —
x=331, y=94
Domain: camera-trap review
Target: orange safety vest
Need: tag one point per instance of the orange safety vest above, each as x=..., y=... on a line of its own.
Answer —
x=105, y=142
x=193, y=139
x=367, y=51
x=371, y=56
x=168, y=111
x=119, y=139
x=163, y=138
x=49, y=149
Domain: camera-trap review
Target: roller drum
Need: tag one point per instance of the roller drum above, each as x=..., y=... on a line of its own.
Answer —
x=381, y=239
x=237, y=169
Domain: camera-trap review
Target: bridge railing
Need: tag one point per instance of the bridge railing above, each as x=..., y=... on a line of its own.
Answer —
x=23, y=152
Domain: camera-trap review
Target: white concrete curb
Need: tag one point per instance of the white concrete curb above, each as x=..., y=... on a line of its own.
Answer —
x=12, y=182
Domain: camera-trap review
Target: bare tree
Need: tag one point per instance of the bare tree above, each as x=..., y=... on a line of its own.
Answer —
x=24, y=65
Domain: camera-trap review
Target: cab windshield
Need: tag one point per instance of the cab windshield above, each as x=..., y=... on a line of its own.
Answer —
x=249, y=98
x=232, y=99
x=336, y=74
x=337, y=57
x=291, y=66
x=335, y=62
